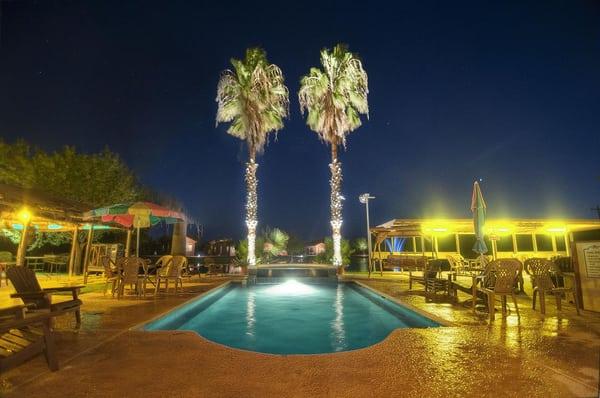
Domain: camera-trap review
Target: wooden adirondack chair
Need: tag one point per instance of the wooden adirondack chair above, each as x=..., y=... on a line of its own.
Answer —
x=23, y=337
x=29, y=290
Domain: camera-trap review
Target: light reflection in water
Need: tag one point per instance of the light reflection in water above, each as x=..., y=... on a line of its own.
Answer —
x=338, y=324
x=250, y=311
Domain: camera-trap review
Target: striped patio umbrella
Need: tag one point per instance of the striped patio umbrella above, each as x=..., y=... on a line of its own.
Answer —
x=137, y=215
x=478, y=208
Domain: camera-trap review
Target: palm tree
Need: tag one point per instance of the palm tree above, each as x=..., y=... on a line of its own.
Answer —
x=254, y=98
x=334, y=97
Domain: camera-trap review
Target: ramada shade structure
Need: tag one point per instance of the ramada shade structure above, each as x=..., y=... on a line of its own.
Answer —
x=434, y=228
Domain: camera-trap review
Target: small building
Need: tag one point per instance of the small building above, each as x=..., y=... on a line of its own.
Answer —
x=190, y=246
x=504, y=237
x=315, y=248
x=220, y=247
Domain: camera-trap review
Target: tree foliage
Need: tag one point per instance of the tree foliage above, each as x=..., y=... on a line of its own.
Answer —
x=360, y=245
x=327, y=256
x=335, y=96
x=96, y=180
x=254, y=98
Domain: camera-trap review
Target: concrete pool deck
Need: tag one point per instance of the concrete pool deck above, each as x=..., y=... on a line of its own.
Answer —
x=534, y=356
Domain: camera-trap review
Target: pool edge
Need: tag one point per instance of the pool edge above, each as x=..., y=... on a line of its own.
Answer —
x=443, y=322
x=140, y=326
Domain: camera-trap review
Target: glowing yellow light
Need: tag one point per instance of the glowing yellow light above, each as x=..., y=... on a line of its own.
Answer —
x=557, y=230
x=498, y=230
x=24, y=215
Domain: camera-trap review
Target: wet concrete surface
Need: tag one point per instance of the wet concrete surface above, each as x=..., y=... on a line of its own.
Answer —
x=531, y=356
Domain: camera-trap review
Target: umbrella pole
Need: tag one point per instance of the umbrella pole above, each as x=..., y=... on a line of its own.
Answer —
x=128, y=243
x=137, y=248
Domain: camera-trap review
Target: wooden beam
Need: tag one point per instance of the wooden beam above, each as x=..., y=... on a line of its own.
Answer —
x=88, y=248
x=22, y=245
x=73, y=253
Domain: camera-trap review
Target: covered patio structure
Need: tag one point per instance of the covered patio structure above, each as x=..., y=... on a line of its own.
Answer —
x=438, y=238
x=25, y=210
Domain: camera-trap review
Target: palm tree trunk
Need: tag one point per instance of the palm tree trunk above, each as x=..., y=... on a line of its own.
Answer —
x=251, y=208
x=336, y=205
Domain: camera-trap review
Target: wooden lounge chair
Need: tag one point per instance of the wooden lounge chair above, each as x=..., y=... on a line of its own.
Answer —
x=29, y=290
x=173, y=272
x=504, y=274
x=542, y=282
x=22, y=337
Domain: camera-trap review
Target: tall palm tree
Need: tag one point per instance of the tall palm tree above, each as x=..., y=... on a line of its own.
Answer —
x=335, y=97
x=254, y=98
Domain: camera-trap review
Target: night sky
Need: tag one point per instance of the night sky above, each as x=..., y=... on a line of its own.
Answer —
x=505, y=91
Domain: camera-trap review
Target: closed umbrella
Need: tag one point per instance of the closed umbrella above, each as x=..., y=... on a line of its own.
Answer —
x=478, y=208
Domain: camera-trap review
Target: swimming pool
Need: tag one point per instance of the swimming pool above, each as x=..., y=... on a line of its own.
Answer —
x=292, y=317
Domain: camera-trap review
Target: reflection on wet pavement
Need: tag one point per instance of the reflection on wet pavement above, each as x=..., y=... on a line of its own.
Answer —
x=530, y=356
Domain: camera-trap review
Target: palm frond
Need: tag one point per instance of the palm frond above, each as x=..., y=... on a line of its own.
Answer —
x=253, y=98
x=336, y=95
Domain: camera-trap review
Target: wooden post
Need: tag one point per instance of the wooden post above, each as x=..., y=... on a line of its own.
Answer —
x=22, y=245
x=514, y=241
x=73, y=252
x=457, y=240
x=535, y=248
x=414, y=240
x=128, y=243
x=86, y=257
x=554, y=243
x=137, y=245
x=567, y=244
x=423, y=245
x=178, y=239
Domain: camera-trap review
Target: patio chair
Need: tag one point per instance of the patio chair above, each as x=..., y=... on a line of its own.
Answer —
x=505, y=273
x=541, y=279
x=29, y=290
x=23, y=337
x=429, y=279
x=111, y=273
x=172, y=272
x=129, y=275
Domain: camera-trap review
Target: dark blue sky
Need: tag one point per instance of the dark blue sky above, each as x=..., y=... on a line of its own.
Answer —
x=504, y=91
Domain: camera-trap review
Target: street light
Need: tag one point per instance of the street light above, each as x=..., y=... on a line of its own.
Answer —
x=364, y=199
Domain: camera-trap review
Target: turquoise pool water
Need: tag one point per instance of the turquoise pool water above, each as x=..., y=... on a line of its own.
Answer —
x=292, y=317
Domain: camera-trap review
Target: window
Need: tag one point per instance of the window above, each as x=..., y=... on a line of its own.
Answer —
x=504, y=243
x=446, y=243
x=560, y=243
x=544, y=243
x=524, y=243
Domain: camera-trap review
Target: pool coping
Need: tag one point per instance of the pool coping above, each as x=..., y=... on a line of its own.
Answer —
x=140, y=326
x=443, y=322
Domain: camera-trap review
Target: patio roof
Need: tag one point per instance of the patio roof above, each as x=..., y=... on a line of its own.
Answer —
x=48, y=213
x=428, y=227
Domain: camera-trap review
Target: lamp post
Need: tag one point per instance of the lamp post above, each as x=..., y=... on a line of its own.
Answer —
x=364, y=198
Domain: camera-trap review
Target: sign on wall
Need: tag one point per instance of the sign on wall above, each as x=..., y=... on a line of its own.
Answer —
x=591, y=258
x=587, y=272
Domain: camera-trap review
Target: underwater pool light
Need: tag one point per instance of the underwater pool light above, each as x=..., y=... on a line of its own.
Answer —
x=290, y=287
